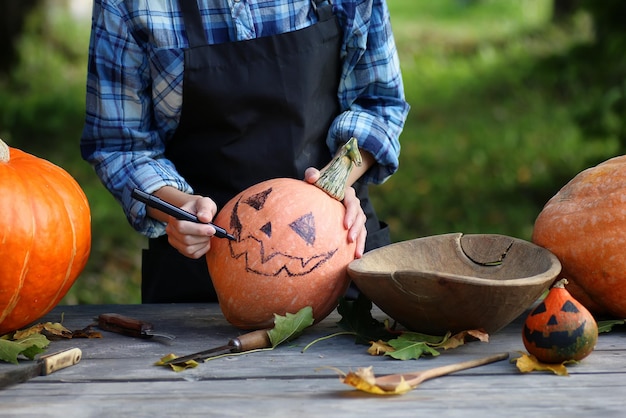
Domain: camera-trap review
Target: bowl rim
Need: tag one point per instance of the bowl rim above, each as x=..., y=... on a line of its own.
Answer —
x=355, y=267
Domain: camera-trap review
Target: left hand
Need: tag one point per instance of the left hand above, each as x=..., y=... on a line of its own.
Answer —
x=354, y=219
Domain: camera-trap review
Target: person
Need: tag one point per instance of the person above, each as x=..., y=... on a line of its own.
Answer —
x=196, y=100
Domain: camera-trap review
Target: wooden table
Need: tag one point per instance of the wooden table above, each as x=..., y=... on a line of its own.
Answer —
x=117, y=376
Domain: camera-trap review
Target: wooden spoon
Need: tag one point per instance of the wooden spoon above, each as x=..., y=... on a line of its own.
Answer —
x=391, y=381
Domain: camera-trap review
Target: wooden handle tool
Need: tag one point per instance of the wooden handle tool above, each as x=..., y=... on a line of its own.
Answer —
x=246, y=342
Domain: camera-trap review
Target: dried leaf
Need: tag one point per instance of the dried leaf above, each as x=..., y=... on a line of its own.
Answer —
x=527, y=363
x=364, y=380
x=49, y=328
x=28, y=347
x=177, y=367
x=463, y=337
x=87, y=332
x=379, y=348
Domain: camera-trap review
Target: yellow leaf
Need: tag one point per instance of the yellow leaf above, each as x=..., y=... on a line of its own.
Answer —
x=177, y=367
x=379, y=348
x=462, y=337
x=364, y=380
x=527, y=363
x=49, y=328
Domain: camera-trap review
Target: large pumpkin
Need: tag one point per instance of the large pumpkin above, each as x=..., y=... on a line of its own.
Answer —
x=291, y=251
x=584, y=225
x=45, y=236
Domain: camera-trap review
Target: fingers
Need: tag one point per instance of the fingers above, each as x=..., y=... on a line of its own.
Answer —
x=191, y=239
x=311, y=175
x=354, y=221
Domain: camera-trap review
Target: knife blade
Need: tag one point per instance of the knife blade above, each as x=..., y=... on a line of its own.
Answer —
x=131, y=327
x=44, y=366
x=246, y=342
x=178, y=213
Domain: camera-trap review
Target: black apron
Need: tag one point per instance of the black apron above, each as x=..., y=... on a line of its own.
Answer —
x=252, y=110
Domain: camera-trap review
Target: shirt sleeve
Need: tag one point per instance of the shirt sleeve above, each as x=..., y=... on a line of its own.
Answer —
x=371, y=91
x=119, y=137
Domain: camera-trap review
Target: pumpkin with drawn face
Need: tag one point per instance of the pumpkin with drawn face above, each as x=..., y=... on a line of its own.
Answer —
x=291, y=251
x=559, y=328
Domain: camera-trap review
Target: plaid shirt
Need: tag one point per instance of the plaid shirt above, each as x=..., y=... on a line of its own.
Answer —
x=134, y=85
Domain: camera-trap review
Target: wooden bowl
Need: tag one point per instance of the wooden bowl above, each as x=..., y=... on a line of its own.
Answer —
x=455, y=282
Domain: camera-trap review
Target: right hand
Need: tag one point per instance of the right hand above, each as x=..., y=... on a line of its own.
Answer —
x=192, y=239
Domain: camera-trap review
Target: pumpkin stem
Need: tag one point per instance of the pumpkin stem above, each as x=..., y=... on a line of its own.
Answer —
x=5, y=154
x=561, y=284
x=333, y=178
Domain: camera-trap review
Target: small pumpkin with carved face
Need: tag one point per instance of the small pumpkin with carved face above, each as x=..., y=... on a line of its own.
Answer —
x=291, y=248
x=559, y=328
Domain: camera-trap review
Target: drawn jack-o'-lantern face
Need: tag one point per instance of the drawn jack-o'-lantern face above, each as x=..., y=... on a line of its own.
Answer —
x=557, y=325
x=560, y=328
x=292, y=251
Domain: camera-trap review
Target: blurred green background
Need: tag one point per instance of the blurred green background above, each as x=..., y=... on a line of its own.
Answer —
x=510, y=99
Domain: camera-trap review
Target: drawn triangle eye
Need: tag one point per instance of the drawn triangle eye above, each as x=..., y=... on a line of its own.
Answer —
x=257, y=201
x=305, y=228
x=267, y=229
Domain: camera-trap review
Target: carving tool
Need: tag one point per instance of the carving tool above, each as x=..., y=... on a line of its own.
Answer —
x=176, y=212
x=246, y=342
x=131, y=327
x=44, y=366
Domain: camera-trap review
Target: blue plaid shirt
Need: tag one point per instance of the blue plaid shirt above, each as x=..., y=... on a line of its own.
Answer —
x=135, y=75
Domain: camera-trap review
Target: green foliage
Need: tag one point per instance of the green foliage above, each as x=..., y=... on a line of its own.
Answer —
x=506, y=107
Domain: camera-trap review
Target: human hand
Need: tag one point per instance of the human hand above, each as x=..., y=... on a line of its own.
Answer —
x=354, y=219
x=192, y=239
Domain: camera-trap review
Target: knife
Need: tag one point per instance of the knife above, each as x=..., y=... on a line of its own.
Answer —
x=178, y=213
x=44, y=366
x=129, y=326
x=246, y=342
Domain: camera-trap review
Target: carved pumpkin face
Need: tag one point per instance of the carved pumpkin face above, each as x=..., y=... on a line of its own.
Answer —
x=559, y=329
x=291, y=251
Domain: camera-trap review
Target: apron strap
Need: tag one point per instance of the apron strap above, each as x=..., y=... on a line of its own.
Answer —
x=193, y=23
x=323, y=8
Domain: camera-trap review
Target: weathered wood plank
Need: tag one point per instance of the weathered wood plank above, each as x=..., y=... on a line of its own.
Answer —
x=117, y=375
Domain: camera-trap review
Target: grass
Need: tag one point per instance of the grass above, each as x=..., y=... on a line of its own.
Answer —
x=492, y=132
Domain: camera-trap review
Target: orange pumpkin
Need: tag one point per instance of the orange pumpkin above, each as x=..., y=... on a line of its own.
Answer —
x=584, y=225
x=45, y=236
x=559, y=328
x=291, y=251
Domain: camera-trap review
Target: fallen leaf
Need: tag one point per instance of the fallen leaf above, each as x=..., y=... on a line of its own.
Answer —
x=356, y=318
x=87, y=332
x=290, y=326
x=410, y=346
x=28, y=347
x=177, y=367
x=607, y=325
x=464, y=336
x=364, y=380
x=527, y=363
x=49, y=329
x=379, y=348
